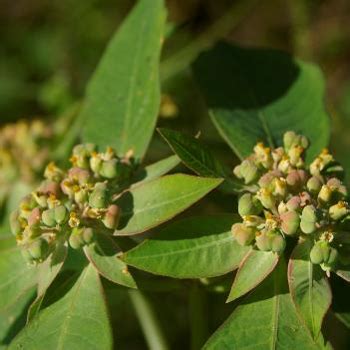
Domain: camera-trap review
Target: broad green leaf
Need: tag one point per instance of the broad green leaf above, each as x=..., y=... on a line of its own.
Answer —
x=258, y=94
x=253, y=269
x=191, y=248
x=195, y=154
x=266, y=319
x=103, y=255
x=153, y=171
x=122, y=98
x=17, y=289
x=79, y=320
x=309, y=288
x=344, y=274
x=154, y=202
x=47, y=272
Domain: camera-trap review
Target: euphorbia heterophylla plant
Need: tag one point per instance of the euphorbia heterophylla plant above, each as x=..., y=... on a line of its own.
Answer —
x=88, y=248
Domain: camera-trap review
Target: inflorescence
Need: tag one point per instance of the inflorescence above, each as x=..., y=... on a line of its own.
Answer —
x=289, y=198
x=72, y=205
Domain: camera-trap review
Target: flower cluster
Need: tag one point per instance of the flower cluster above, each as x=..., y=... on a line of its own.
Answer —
x=289, y=198
x=72, y=205
x=24, y=150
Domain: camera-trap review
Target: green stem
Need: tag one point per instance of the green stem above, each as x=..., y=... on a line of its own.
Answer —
x=187, y=54
x=149, y=323
x=198, y=316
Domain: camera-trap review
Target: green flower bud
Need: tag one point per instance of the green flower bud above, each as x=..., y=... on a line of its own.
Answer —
x=88, y=235
x=263, y=155
x=314, y=184
x=34, y=217
x=81, y=196
x=82, y=176
x=244, y=235
x=289, y=139
x=248, y=205
x=263, y=242
x=95, y=162
x=237, y=171
x=76, y=239
x=249, y=171
x=111, y=217
x=109, y=169
x=339, y=210
x=280, y=187
x=296, y=179
x=278, y=243
x=53, y=173
x=266, y=198
x=332, y=257
x=38, y=249
x=60, y=214
x=295, y=153
x=290, y=222
x=98, y=197
x=317, y=253
x=15, y=224
x=308, y=219
x=325, y=194
x=80, y=156
x=294, y=203
x=48, y=217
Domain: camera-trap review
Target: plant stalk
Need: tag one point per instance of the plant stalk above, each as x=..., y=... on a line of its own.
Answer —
x=148, y=321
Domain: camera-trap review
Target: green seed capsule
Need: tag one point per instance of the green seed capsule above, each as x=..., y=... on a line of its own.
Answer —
x=111, y=217
x=48, y=217
x=109, y=169
x=339, y=210
x=314, y=184
x=38, y=249
x=294, y=203
x=289, y=139
x=248, y=205
x=263, y=242
x=290, y=222
x=95, y=163
x=266, y=198
x=316, y=254
x=61, y=214
x=88, y=235
x=249, y=171
x=325, y=194
x=98, y=197
x=332, y=257
x=308, y=219
x=76, y=240
x=278, y=244
x=243, y=235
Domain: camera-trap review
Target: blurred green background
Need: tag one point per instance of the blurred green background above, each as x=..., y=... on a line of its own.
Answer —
x=49, y=49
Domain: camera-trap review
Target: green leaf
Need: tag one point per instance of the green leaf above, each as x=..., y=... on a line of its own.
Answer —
x=344, y=274
x=155, y=170
x=309, y=288
x=266, y=319
x=78, y=320
x=47, y=272
x=17, y=286
x=258, y=94
x=194, y=154
x=191, y=248
x=122, y=98
x=103, y=255
x=150, y=204
x=253, y=269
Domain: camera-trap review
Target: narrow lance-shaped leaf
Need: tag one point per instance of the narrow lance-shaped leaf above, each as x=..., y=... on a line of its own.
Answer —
x=154, y=202
x=77, y=320
x=257, y=94
x=191, y=248
x=103, y=255
x=266, y=319
x=122, y=98
x=309, y=288
x=254, y=268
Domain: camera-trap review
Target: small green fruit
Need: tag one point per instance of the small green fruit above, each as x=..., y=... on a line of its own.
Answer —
x=314, y=184
x=98, y=197
x=244, y=235
x=249, y=171
x=60, y=214
x=48, y=217
x=290, y=222
x=76, y=240
x=248, y=205
x=316, y=254
x=278, y=244
x=308, y=219
x=38, y=249
x=109, y=169
x=263, y=242
x=88, y=235
x=111, y=217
